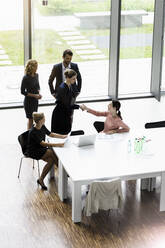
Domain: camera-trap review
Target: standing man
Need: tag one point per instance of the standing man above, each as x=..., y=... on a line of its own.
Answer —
x=59, y=70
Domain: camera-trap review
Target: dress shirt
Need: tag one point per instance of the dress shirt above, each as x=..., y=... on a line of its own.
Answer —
x=64, y=69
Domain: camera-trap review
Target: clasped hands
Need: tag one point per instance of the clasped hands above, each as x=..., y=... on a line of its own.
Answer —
x=83, y=107
x=38, y=96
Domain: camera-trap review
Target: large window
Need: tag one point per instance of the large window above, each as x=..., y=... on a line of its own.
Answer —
x=136, y=36
x=80, y=25
x=51, y=26
x=11, y=50
x=163, y=68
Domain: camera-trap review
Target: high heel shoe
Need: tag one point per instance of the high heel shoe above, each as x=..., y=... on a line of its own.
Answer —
x=42, y=185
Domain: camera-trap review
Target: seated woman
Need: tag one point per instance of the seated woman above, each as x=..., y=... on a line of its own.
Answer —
x=39, y=149
x=113, y=122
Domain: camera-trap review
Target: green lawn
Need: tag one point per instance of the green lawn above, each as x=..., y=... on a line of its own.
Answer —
x=148, y=28
x=136, y=52
x=12, y=43
x=48, y=45
x=51, y=48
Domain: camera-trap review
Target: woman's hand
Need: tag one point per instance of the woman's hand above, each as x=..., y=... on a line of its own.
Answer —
x=64, y=136
x=59, y=144
x=59, y=136
x=83, y=107
x=38, y=96
x=111, y=132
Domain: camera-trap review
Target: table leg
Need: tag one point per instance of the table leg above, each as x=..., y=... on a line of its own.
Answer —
x=76, y=202
x=148, y=184
x=162, y=192
x=62, y=182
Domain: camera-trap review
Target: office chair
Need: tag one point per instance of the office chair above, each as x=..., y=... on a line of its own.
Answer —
x=23, y=141
x=156, y=124
x=106, y=195
x=77, y=132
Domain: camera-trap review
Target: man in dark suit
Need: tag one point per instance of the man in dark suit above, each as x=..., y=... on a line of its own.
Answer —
x=58, y=73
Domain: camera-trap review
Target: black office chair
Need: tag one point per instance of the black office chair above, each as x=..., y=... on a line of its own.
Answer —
x=23, y=141
x=77, y=132
x=156, y=124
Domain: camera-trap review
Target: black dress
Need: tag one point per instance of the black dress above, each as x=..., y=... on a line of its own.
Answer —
x=30, y=85
x=62, y=116
x=35, y=150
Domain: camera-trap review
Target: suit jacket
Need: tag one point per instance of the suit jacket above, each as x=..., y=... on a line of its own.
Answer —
x=57, y=74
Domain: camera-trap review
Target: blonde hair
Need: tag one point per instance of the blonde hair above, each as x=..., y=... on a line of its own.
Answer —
x=30, y=66
x=37, y=116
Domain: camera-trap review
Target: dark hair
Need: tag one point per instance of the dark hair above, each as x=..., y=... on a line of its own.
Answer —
x=67, y=51
x=116, y=104
x=69, y=73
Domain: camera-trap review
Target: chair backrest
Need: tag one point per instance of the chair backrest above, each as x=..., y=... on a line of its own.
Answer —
x=23, y=141
x=77, y=132
x=104, y=195
x=156, y=124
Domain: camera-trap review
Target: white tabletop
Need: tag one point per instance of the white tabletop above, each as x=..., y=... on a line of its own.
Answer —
x=109, y=157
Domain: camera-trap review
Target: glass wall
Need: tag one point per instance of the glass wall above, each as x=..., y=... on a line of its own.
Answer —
x=80, y=25
x=163, y=67
x=137, y=19
x=11, y=50
x=84, y=27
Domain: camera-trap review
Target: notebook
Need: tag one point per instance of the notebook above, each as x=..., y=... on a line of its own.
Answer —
x=85, y=140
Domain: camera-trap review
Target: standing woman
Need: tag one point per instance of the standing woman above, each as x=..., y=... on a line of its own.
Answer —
x=67, y=92
x=30, y=88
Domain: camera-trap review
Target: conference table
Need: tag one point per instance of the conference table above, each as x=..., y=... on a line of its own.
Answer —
x=110, y=158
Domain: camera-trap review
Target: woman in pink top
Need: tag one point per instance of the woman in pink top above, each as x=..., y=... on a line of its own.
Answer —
x=113, y=122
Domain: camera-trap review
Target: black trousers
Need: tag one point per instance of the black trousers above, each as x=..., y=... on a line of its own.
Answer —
x=99, y=125
x=155, y=124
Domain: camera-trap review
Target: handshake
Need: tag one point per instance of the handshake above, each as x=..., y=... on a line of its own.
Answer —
x=83, y=107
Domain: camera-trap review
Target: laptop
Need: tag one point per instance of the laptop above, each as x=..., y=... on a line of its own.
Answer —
x=85, y=140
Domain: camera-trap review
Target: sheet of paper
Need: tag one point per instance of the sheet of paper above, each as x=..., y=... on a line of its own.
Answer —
x=57, y=140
